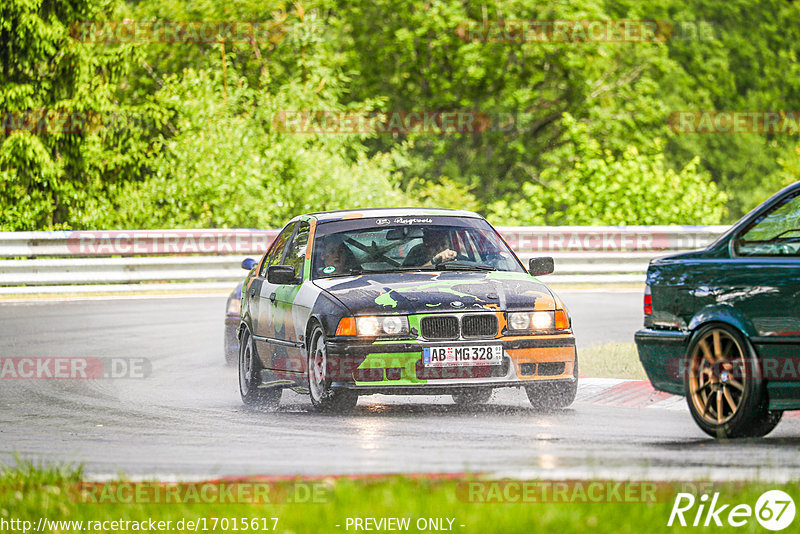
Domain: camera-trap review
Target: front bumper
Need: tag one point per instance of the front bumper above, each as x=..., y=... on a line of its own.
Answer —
x=662, y=354
x=396, y=365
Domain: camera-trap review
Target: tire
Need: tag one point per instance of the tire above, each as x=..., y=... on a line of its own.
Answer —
x=723, y=386
x=554, y=395
x=766, y=425
x=472, y=397
x=250, y=377
x=323, y=396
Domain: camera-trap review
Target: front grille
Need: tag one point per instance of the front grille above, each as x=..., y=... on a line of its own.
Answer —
x=483, y=325
x=445, y=327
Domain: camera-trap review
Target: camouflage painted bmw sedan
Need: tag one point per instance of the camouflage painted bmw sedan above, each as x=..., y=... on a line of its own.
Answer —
x=401, y=301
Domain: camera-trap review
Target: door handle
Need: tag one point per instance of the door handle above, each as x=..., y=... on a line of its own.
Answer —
x=272, y=296
x=252, y=291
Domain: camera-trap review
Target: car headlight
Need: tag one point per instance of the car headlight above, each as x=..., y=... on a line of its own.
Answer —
x=392, y=325
x=233, y=306
x=538, y=321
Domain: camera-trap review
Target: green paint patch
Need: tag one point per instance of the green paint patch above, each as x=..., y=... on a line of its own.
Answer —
x=440, y=285
x=407, y=361
x=385, y=299
x=434, y=305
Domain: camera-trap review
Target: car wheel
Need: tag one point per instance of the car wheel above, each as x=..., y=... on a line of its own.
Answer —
x=472, y=396
x=323, y=396
x=723, y=385
x=554, y=395
x=250, y=376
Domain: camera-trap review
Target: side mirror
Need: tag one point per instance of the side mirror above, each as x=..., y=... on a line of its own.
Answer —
x=248, y=263
x=281, y=274
x=540, y=266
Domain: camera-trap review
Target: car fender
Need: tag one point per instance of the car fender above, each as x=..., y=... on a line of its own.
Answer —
x=723, y=313
x=327, y=311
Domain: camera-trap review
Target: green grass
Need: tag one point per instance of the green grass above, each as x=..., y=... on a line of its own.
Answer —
x=611, y=360
x=29, y=493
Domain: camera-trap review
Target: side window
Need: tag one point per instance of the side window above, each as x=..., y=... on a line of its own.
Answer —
x=276, y=250
x=775, y=233
x=296, y=252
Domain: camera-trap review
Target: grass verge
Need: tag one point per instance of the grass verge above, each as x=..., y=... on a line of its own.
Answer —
x=29, y=494
x=611, y=360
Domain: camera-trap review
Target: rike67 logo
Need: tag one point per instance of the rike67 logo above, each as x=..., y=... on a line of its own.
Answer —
x=774, y=510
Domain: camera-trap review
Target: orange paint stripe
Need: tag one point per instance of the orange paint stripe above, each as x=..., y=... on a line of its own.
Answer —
x=543, y=354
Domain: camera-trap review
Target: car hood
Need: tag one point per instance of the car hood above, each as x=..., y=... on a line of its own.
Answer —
x=441, y=291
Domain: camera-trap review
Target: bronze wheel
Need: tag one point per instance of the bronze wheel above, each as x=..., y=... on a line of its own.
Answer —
x=717, y=376
x=723, y=385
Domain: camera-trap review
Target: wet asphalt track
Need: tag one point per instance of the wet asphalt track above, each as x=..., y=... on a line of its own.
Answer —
x=185, y=420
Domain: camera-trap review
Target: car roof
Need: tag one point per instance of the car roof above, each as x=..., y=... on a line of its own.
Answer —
x=338, y=215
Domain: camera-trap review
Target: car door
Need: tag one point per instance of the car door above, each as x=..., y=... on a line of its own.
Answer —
x=259, y=293
x=290, y=313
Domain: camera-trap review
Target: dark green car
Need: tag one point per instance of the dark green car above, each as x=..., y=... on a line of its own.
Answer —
x=722, y=325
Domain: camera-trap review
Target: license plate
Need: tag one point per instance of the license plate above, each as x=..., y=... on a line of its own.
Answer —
x=462, y=355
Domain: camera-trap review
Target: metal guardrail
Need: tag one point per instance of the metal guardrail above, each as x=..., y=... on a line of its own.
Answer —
x=52, y=262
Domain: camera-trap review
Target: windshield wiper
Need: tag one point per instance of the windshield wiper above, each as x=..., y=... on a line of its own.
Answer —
x=463, y=267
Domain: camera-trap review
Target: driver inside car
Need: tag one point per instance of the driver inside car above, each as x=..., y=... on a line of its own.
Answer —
x=337, y=258
x=433, y=250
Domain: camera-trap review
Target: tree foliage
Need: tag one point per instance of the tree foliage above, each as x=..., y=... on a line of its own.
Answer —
x=66, y=139
x=185, y=135
x=592, y=185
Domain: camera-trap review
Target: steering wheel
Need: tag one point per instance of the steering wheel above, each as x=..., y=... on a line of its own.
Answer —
x=376, y=253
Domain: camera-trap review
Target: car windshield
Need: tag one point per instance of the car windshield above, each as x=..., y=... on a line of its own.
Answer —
x=385, y=245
